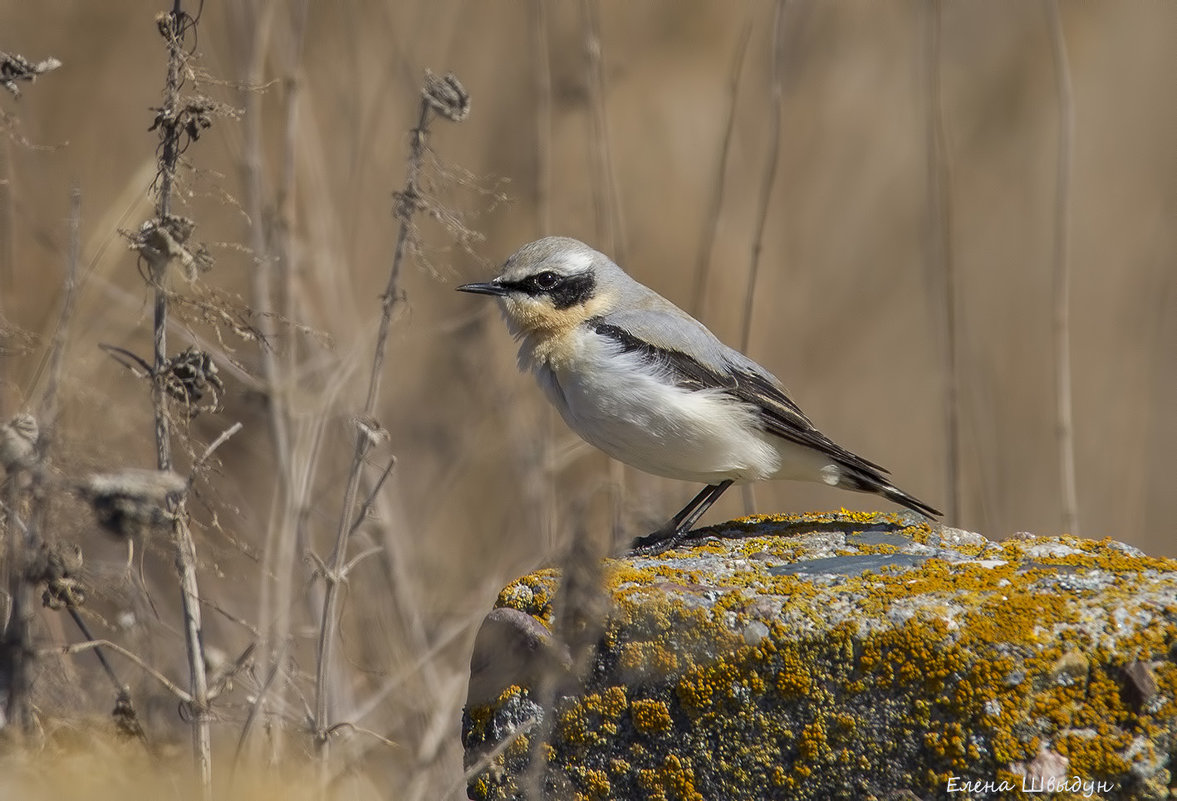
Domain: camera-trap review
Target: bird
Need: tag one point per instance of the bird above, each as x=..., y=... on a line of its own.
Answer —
x=651, y=386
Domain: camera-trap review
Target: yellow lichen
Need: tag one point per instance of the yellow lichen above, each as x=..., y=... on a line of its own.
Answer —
x=674, y=780
x=649, y=716
x=596, y=785
x=975, y=668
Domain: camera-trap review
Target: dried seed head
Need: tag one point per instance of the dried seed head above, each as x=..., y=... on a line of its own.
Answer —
x=18, y=442
x=15, y=68
x=163, y=21
x=125, y=718
x=132, y=501
x=58, y=566
x=372, y=430
x=446, y=96
x=189, y=377
x=63, y=593
x=164, y=239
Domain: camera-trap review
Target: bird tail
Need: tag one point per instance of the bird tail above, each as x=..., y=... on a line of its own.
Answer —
x=855, y=478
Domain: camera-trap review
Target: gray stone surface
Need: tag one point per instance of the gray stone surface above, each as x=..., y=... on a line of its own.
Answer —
x=843, y=656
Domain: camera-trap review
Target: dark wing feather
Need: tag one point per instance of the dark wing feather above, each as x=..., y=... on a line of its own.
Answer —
x=779, y=415
x=782, y=417
x=688, y=372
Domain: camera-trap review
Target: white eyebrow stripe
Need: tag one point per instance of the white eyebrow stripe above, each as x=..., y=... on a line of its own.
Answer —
x=577, y=261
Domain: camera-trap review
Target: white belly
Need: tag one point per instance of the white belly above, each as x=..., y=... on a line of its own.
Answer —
x=618, y=404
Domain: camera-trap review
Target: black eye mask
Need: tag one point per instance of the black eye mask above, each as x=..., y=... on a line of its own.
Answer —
x=565, y=291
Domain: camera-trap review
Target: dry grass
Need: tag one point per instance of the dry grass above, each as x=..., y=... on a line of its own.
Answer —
x=295, y=201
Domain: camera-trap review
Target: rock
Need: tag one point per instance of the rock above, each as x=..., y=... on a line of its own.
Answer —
x=847, y=656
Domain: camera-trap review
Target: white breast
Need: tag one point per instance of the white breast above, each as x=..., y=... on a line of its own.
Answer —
x=624, y=406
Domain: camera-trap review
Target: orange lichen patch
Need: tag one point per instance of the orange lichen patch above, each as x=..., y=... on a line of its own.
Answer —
x=480, y=715
x=594, y=718
x=595, y=783
x=1092, y=754
x=733, y=676
x=532, y=594
x=794, y=676
x=812, y=745
x=518, y=749
x=716, y=687
x=1165, y=675
x=620, y=767
x=649, y=716
x=647, y=660
x=674, y=780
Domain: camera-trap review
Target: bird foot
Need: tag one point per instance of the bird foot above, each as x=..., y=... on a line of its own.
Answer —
x=656, y=542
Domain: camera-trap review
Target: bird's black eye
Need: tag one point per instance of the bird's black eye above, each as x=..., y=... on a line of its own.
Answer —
x=546, y=281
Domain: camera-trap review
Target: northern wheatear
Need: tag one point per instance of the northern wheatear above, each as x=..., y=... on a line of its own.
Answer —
x=648, y=384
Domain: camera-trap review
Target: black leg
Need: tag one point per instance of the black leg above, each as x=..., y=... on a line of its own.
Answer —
x=677, y=527
x=676, y=521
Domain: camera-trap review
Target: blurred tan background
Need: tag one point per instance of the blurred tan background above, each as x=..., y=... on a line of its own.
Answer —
x=849, y=301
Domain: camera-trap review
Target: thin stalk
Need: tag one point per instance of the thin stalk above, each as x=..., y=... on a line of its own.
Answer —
x=772, y=160
x=16, y=643
x=1061, y=271
x=606, y=199
x=185, y=546
x=49, y=402
x=539, y=486
x=939, y=254
x=167, y=176
x=7, y=222
x=581, y=607
x=270, y=279
x=447, y=98
x=130, y=718
x=288, y=543
x=711, y=220
x=542, y=79
x=15, y=651
x=93, y=645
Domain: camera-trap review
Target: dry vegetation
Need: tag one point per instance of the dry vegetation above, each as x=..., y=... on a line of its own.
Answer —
x=815, y=180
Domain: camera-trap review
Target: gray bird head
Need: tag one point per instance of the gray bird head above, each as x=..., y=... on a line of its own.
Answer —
x=553, y=284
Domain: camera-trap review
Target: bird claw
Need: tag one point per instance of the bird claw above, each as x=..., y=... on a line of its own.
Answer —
x=656, y=542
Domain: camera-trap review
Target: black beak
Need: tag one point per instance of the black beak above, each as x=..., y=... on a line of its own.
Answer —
x=489, y=288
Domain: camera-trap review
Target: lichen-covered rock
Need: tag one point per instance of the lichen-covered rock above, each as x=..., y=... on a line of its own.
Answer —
x=843, y=656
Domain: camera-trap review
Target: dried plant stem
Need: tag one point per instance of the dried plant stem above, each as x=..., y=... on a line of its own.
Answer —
x=939, y=254
x=607, y=201
x=440, y=97
x=211, y=449
x=1061, y=271
x=169, y=159
x=271, y=279
x=334, y=572
x=95, y=645
x=291, y=541
x=7, y=223
x=17, y=654
x=107, y=668
x=772, y=159
x=542, y=77
x=185, y=546
x=190, y=600
x=711, y=219
x=49, y=402
x=581, y=610
x=122, y=689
